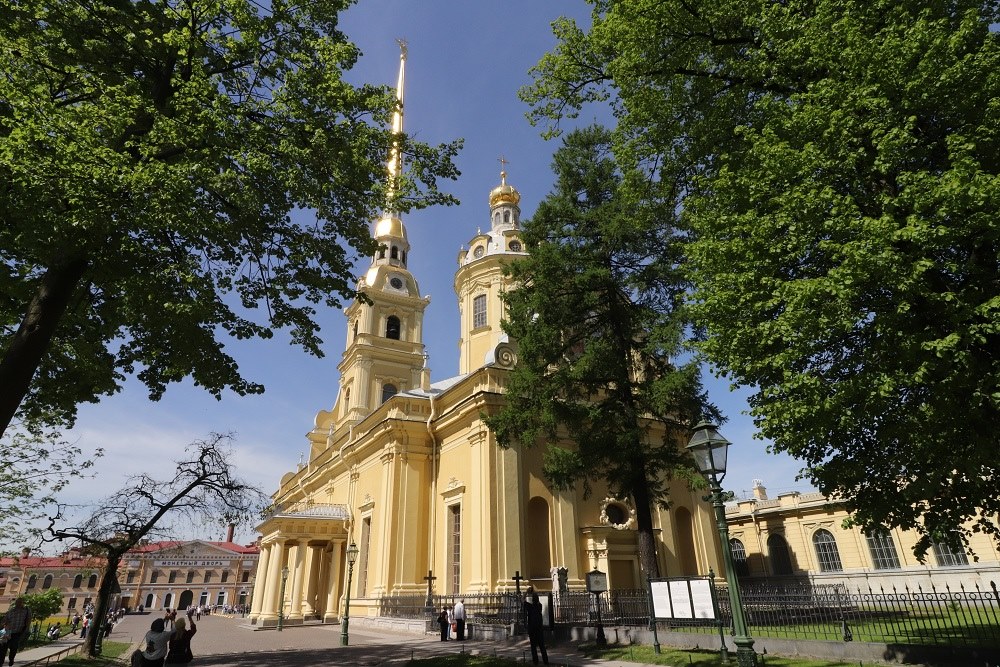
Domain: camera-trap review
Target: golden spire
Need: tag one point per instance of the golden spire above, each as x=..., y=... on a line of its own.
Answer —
x=390, y=225
x=503, y=193
x=395, y=155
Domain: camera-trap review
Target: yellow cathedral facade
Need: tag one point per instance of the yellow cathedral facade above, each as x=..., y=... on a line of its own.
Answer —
x=406, y=470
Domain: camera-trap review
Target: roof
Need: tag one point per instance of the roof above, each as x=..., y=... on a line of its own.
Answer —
x=168, y=544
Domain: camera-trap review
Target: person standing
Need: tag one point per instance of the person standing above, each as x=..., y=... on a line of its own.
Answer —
x=459, y=614
x=442, y=621
x=536, y=628
x=17, y=622
x=180, y=644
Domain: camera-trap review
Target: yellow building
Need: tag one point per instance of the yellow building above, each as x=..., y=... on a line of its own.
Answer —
x=407, y=469
x=802, y=536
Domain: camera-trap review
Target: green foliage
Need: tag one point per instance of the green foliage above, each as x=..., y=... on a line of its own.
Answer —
x=836, y=164
x=44, y=604
x=599, y=332
x=151, y=158
x=34, y=466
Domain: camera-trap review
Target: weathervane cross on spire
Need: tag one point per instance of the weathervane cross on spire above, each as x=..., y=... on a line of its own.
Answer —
x=503, y=169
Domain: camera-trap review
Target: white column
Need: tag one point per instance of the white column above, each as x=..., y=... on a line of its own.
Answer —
x=297, y=559
x=333, y=592
x=309, y=580
x=269, y=608
x=259, y=581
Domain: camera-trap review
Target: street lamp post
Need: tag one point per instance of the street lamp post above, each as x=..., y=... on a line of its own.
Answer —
x=709, y=451
x=281, y=599
x=352, y=557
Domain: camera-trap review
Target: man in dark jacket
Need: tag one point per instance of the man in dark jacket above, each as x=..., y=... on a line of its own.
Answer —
x=533, y=619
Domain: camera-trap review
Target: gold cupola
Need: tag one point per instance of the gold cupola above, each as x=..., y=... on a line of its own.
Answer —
x=504, y=193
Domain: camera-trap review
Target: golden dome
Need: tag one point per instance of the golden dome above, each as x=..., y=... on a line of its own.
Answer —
x=390, y=226
x=503, y=193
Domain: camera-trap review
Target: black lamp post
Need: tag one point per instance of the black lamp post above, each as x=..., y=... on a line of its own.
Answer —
x=709, y=451
x=281, y=599
x=352, y=557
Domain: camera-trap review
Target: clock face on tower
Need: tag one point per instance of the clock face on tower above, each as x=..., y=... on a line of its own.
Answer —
x=478, y=252
x=396, y=282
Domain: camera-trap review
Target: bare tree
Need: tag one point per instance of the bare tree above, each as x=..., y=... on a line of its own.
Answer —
x=203, y=486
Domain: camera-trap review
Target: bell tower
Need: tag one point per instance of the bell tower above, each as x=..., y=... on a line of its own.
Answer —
x=385, y=350
x=479, y=281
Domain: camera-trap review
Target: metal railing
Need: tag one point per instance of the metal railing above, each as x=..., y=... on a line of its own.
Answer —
x=932, y=616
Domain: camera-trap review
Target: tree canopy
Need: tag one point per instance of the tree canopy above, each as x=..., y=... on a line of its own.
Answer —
x=836, y=165
x=173, y=173
x=34, y=467
x=205, y=487
x=595, y=314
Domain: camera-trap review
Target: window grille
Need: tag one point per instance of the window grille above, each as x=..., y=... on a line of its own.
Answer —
x=739, y=553
x=479, y=311
x=826, y=551
x=455, y=549
x=366, y=531
x=882, y=550
x=947, y=558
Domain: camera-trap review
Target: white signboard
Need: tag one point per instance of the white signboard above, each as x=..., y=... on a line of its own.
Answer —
x=192, y=562
x=682, y=598
x=701, y=599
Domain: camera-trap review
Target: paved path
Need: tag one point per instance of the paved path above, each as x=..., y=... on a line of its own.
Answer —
x=224, y=641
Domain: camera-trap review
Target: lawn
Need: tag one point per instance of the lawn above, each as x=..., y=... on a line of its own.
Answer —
x=643, y=654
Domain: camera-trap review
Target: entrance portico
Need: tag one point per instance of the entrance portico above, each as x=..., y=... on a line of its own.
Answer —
x=310, y=544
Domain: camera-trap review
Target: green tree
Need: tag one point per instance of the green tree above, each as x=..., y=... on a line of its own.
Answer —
x=836, y=165
x=44, y=604
x=34, y=466
x=205, y=487
x=152, y=154
x=599, y=331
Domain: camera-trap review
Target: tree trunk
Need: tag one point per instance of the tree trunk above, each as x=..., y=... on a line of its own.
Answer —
x=644, y=525
x=32, y=339
x=103, y=600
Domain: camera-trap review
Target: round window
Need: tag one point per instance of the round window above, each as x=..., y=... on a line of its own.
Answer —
x=515, y=246
x=396, y=282
x=616, y=514
x=478, y=252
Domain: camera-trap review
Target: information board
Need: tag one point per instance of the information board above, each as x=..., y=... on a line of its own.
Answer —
x=682, y=598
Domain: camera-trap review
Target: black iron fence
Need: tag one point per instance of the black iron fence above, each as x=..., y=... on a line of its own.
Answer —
x=942, y=616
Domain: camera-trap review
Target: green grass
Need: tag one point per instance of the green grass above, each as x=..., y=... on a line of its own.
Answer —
x=637, y=653
x=112, y=653
x=943, y=627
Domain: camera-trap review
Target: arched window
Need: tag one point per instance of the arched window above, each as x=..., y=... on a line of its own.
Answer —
x=395, y=253
x=388, y=391
x=402, y=257
x=381, y=253
x=47, y=582
x=826, y=551
x=354, y=331
x=32, y=580
x=92, y=582
x=943, y=554
x=779, y=554
x=537, y=551
x=78, y=581
x=347, y=399
x=149, y=601
x=882, y=550
x=506, y=216
x=392, y=327
x=685, y=541
x=167, y=600
x=739, y=553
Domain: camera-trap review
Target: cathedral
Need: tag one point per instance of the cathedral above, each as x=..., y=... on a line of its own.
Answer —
x=404, y=478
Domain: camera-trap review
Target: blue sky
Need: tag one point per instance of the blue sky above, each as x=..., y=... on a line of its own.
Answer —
x=467, y=59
